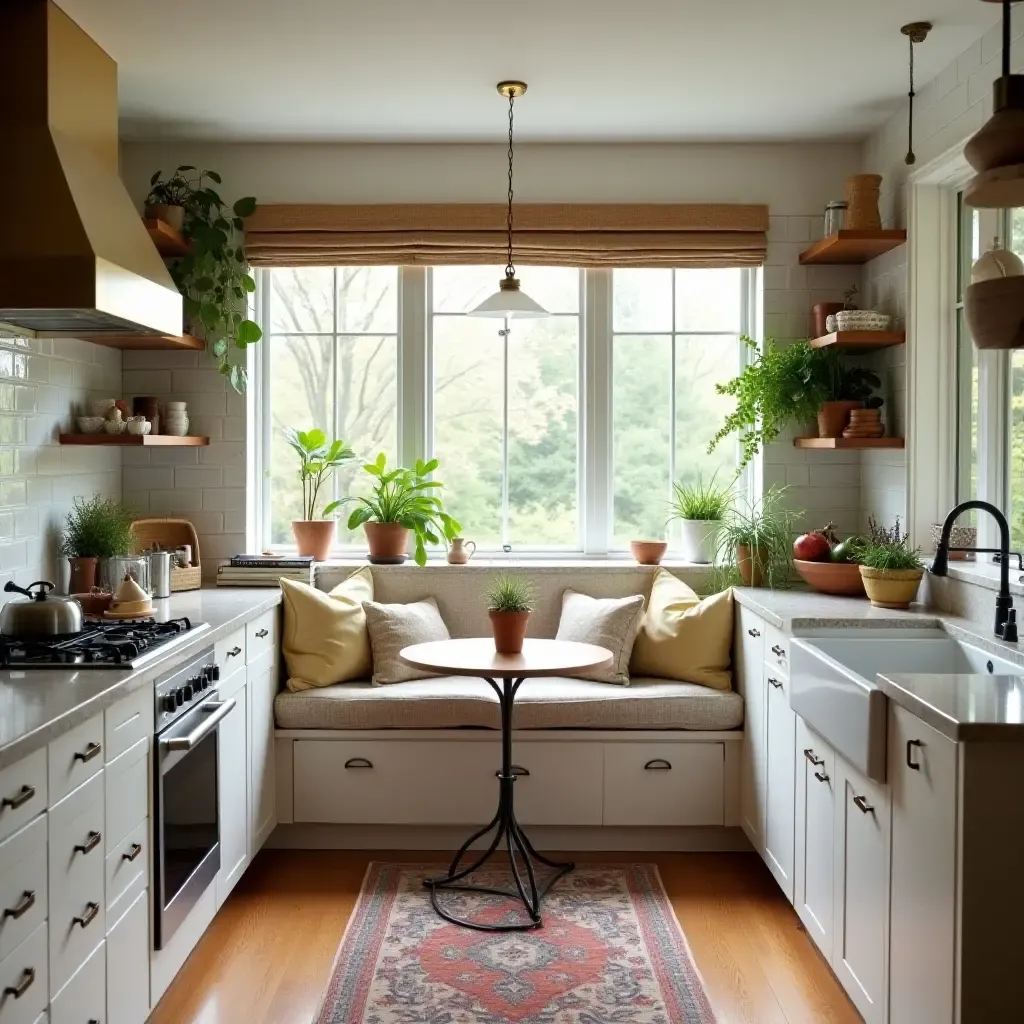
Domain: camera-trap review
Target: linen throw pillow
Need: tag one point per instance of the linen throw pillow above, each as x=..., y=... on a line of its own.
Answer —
x=607, y=622
x=684, y=638
x=324, y=639
x=394, y=626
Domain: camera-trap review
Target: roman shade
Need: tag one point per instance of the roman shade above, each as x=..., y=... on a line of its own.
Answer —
x=546, y=234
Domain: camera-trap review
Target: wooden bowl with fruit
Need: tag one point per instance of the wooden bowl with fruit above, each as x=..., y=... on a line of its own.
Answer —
x=827, y=564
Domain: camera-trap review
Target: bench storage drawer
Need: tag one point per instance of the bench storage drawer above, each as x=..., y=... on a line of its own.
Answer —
x=552, y=795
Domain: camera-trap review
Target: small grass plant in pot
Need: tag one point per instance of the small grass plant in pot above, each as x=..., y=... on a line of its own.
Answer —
x=509, y=604
x=890, y=568
x=403, y=501
x=754, y=542
x=318, y=460
x=95, y=528
x=699, y=509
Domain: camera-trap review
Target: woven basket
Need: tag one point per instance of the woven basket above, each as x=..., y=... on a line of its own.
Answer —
x=168, y=534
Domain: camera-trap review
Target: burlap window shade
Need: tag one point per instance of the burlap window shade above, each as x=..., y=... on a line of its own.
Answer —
x=565, y=235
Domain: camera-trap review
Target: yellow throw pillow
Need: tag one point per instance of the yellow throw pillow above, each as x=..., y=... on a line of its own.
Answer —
x=325, y=639
x=683, y=637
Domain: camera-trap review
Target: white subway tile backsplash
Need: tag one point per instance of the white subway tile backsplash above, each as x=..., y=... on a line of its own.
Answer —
x=198, y=476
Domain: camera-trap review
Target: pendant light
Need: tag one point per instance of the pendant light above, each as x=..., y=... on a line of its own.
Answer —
x=509, y=302
x=916, y=32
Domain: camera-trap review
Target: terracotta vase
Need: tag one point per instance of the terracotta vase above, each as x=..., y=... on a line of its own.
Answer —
x=820, y=313
x=891, y=588
x=862, y=192
x=83, y=575
x=388, y=541
x=834, y=417
x=314, y=537
x=509, y=630
x=172, y=215
x=751, y=564
x=648, y=552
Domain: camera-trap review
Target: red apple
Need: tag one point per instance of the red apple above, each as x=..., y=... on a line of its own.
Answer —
x=812, y=547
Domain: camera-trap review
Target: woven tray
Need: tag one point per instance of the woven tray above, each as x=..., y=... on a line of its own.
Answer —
x=168, y=534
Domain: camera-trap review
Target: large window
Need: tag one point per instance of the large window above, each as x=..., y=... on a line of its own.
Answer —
x=558, y=434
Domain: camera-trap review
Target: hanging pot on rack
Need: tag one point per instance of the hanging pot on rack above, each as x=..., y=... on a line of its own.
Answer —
x=42, y=616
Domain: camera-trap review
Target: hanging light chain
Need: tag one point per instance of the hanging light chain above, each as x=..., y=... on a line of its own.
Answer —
x=510, y=270
x=911, y=157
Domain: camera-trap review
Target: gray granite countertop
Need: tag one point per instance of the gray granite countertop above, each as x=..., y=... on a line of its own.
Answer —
x=795, y=610
x=38, y=705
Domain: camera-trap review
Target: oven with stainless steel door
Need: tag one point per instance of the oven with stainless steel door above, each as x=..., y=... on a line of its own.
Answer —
x=186, y=830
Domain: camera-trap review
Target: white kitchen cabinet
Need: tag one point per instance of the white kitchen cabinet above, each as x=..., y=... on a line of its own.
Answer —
x=861, y=890
x=780, y=779
x=83, y=1000
x=814, y=854
x=261, y=683
x=127, y=981
x=922, y=773
x=233, y=769
x=748, y=647
x=25, y=971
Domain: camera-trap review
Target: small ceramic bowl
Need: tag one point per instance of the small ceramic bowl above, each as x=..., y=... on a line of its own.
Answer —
x=648, y=552
x=101, y=406
x=139, y=425
x=115, y=426
x=90, y=424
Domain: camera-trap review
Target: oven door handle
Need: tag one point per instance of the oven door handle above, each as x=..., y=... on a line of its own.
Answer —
x=216, y=711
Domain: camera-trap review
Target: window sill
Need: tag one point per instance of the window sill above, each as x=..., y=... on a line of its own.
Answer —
x=986, y=574
x=562, y=563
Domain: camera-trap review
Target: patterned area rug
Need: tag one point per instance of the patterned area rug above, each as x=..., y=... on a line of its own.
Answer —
x=610, y=952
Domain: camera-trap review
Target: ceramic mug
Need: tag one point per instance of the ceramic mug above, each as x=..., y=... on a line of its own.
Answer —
x=457, y=553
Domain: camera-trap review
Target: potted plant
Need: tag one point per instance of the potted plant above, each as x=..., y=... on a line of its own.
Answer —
x=754, y=543
x=95, y=528
x=509, y=603
x=890, y=568
x=699, y=508
x=168, y=197
x=847, y=388
x=318, y=459
x=403, y=500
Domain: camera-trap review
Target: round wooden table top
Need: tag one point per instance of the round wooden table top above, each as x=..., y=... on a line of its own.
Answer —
x=476, y=656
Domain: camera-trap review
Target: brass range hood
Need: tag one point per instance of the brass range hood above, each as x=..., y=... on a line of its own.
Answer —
x=75, y=257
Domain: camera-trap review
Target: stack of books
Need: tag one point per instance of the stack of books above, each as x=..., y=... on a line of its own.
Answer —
x=265, y=570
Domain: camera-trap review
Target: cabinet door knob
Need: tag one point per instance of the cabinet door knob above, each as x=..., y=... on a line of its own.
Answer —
x=27, y=977
x=863, y=804
x=133, y=852
x=261, y=633
x=24, y=795
x=755, y=633
x=821, y=776
x=778, y=651
x=90, y=844
x=23, y=906
x=813, y=758
x=89, y=753
x=775, y=683
x=911, y=763
x=91, y=910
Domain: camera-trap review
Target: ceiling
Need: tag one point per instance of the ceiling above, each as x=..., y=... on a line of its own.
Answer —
x=425, y=70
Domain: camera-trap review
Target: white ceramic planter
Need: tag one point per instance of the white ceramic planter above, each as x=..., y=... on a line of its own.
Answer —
x=697, y=540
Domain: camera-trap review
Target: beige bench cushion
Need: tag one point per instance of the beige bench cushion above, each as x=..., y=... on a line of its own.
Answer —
x=449, y=702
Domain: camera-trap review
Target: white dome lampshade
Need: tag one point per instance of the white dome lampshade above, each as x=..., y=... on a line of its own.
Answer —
x=509, y=302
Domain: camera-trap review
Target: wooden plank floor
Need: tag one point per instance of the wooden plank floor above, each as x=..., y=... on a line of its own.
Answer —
x=267, y=956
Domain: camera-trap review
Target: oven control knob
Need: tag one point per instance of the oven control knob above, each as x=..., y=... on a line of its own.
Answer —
x=211, y=674
x=179, y=696
x=169, y=704
x=187, y=692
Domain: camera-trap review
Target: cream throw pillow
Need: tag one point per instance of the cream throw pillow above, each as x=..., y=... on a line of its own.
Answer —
x=683, y=637
x=394, y=626
x=607, y=622
x=325, y=639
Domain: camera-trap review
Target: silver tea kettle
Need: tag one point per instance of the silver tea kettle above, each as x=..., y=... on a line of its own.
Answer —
x=42, y=616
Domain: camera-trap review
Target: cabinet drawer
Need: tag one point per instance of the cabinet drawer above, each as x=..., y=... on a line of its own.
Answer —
x=127, y=867
x=84, y=997
x=229, y=653
x=22, y=792
x=396, y=782
x=126, y=782
x=25, y=970
x=664, y=783
x=549, y=795
x=75, y=757
x=76, y=863
x=22, y=884
x=128, y=721
x=260, y=636
x=776, y=650
x=128, y=965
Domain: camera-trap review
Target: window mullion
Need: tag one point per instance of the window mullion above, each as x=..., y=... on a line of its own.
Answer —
x=596, y=444
x=415, y=373
x=505, y=539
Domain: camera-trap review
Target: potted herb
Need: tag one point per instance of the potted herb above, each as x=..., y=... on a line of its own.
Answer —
x=318, y=459
x=509, y=603
x=890, y=568
x=699, y=508
x=754, y=542
x=847, y=388
x=403, y=500
x=168, y=197
x=95, y=528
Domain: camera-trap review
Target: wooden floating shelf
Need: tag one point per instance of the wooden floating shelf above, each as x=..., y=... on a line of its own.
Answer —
x=860, y=341
x=832, y=443
x=168, y=241
x=852, y=247
x=143, y=342
x=127, y=440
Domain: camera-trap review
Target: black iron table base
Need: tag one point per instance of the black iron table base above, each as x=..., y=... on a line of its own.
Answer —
x=521, y=854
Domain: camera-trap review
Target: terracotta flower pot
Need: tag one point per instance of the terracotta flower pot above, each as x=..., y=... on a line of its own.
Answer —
x=648, y=552
x=820, y=312
x=509, y=630
x=83, y=574
x=752, y=565
x=387, y=540
x=891, y=588
x=172, y=215
x=834, y=417
x=314, y=537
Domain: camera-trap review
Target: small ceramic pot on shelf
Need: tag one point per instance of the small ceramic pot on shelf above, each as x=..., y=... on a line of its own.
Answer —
x=175, y=419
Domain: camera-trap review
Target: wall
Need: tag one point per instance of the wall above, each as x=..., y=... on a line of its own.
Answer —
x=43, y=384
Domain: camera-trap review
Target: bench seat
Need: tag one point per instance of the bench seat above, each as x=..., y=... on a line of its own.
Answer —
x=452, y=702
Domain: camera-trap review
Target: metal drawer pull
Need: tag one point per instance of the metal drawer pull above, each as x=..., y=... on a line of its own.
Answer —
x=821, y=776
x=234, y=652
x=217, y=710
x=136, y=849
x=779, y=651
x=358, y=762
x=659, y=764
x=911, y=763
x=261, y=633
x=25, y=904
x=24, y=795
x=755, y=633
x=91, y=910
x=863, y=804
x=89, y=753
x=27, y=977
x=813, y=758
x=775, y=683
x=90, y=843
x=517, y=770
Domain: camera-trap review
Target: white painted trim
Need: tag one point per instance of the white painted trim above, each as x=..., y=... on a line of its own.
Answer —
x=415, y=390
x=596, y=414
x=524, y=735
